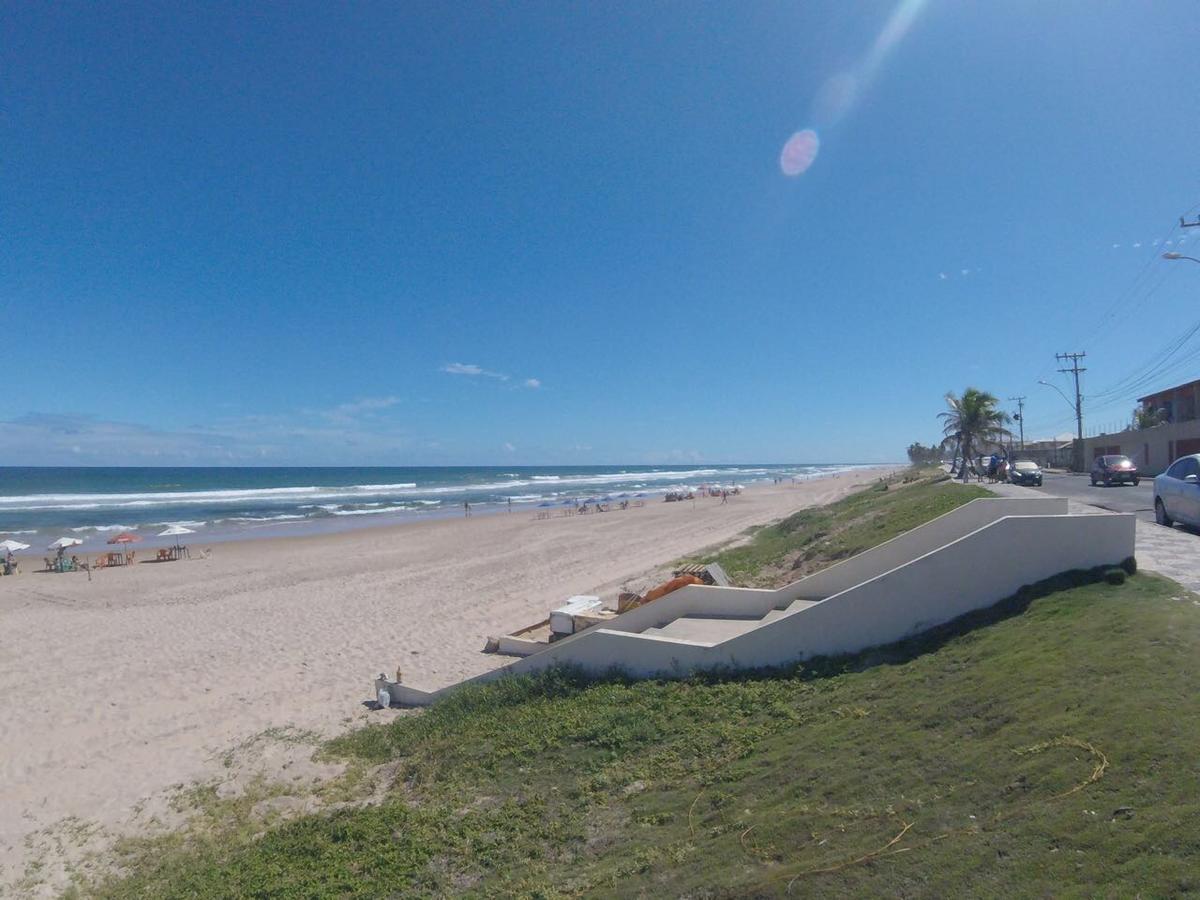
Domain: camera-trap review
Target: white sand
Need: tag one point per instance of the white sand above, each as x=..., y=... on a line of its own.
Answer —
x=118, y=688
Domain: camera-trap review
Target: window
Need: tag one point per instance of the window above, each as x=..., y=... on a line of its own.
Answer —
x=1183, y=467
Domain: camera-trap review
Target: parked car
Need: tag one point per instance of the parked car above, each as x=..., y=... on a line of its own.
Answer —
x=1025, y=471
x=1177, y=493
x=1114, y=470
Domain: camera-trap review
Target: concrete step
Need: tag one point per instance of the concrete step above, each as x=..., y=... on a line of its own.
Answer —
x=706, y=630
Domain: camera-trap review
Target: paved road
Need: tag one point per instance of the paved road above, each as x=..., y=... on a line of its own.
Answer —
x=1118, y=498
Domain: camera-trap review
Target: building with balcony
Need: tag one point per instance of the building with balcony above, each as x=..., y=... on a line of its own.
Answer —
x=1177, y=404
x=1177, y=432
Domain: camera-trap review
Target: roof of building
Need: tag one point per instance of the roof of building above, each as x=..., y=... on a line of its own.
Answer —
x=1059, y=442
x=1186, y=384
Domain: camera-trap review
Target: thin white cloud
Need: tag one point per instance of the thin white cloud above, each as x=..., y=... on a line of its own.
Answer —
x=472, y=370
x=367, y=404
x=943, y=276
x=457, y=368
x=509, y=447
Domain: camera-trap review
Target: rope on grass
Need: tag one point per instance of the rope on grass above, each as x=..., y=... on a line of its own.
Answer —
x=889, y=849
x=853, y=862
x=692, y=809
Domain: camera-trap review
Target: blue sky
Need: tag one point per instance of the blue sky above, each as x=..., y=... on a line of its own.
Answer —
x=562, y=233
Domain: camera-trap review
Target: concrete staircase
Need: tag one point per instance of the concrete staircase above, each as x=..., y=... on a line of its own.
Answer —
x=964, y=560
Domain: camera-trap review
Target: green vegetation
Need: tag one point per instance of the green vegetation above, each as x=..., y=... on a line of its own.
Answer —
x=1046, y=746
x=814, y=538
x=973, y=424
x=920, y=455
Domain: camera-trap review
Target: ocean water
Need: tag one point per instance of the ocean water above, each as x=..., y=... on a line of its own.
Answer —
x=38, y=505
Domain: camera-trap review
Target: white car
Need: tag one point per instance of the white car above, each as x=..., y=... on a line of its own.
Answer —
x=1177, y=493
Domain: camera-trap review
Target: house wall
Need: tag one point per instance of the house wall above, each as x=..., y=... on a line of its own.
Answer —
x=1181, y=403
x=1048, y=455
x=1151, y=449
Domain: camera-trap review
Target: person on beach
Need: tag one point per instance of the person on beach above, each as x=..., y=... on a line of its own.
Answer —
x=510, y=505
x=466, y=509
x=724, y=497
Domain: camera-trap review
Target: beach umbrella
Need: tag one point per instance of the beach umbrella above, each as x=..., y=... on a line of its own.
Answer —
x=124, y=538
x=11, y=546
x=174, y=531
x=64, y=542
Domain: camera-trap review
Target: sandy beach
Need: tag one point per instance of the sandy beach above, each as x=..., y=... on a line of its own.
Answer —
x=118, y=688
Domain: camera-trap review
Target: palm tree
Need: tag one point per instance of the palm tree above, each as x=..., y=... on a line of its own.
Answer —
x=973, y=422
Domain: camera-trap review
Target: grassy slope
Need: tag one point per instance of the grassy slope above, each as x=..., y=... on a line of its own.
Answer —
x=716, y=787
x=813, y=538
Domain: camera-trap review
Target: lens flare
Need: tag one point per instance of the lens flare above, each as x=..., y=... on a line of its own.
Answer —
x=835, y=98
x=800, y=152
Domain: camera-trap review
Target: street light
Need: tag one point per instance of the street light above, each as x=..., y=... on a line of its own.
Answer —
x=1077, y=408
x=1060, y=393
x=1171, y=254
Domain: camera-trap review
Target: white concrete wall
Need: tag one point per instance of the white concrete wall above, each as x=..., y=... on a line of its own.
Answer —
x=917, y=542
x=753, y=603
x=970, y=573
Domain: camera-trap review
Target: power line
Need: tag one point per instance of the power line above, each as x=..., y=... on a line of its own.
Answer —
x=1152, y=369
x=1119, y=301
x=1135, y=285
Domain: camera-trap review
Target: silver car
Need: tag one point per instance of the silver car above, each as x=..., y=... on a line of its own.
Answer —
x=1177, y=493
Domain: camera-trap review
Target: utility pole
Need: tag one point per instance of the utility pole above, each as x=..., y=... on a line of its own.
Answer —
x=1075, y=370
x=1021, y=418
